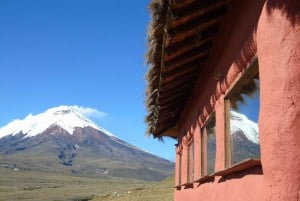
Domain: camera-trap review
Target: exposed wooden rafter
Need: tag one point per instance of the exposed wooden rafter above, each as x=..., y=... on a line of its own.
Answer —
x=188, y=36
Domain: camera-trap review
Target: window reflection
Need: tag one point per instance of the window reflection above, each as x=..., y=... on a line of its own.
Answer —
x=244, y=111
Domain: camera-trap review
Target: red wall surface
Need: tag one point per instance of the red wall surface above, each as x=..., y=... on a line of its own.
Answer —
x=278, y=47
x=247, y=188
x=271, y=31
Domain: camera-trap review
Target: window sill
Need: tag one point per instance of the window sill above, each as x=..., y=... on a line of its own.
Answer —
x=188, y=185
x=243, y=165
x=205, y=178
x=185, y=185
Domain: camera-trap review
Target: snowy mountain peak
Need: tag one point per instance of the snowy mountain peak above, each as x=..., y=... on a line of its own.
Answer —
x=66, y=117
x=240, y=122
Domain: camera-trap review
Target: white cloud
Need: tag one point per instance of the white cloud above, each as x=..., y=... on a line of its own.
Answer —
x=90, y=112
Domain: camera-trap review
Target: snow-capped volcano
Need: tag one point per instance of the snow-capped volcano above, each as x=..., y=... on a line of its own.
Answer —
x=240, y=122
x=244, y=137
x=63, y=139
x=66, y=117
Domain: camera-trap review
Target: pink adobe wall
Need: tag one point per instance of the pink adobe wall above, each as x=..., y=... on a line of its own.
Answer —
x=276, y=38
x=246, y=185
x=232, y=51
x=278, y=47
x=249, y=188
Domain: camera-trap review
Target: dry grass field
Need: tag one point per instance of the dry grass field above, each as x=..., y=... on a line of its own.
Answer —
x=162, y=191
x=36, y=186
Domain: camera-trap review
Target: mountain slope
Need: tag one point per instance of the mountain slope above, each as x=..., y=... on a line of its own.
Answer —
x=240, y=123
x=244, y=137
x=244, y=140
x=66, y=117
x=64, y=140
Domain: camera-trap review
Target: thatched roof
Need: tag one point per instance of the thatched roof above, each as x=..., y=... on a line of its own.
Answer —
x=180, y=37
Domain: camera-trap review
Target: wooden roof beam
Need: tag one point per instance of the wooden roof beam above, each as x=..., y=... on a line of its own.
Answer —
x=191, y=25
x=195, y=62
x=176, y=87
x=172, y=98
x=191, y=6
x=180, y=72
x=167, y=103
x=197, y=39
x=189, y=55
x=191, y=32
x=171, y=132
x=165, y=132
x=171, y=85
x=203, y=9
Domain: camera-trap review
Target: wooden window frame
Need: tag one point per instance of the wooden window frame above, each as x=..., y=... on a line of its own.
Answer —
x=204, y=145
x=190, y=161
x=203, y=151
x=179, y=173
x=251, y=72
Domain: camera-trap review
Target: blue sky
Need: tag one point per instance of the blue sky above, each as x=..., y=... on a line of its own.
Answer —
x=250, y=108
x=78, y=52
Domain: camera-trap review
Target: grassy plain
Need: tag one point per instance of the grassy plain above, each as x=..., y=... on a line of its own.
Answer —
x=162, y=191
x=36, y=186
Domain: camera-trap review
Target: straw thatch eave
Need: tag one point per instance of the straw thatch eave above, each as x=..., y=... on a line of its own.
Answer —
x=180, y=36
x=158, y=10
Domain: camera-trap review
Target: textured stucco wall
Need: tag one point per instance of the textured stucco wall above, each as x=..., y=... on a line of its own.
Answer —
x=278, y=47
x=273, y=31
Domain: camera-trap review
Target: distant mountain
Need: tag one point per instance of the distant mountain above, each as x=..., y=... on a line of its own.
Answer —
x=245, y=137
x=244, y=140
x=63, y=140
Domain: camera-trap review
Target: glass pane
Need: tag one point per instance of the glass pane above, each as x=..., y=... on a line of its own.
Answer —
x=244, y=122
x=211, y=145
x=179, y=169
x=191, y=162
x=203, y=156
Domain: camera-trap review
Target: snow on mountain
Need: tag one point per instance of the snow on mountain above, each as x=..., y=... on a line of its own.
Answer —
x=69, y=117
x=240, y=122
x=66, y=117
x=63, y=139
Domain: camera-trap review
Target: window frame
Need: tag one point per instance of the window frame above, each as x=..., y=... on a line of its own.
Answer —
x=250, y=73
x=204, y=145
x=179, y=173
x=190, y=161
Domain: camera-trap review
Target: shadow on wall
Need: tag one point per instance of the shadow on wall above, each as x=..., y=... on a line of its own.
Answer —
x=291, y=8
x=239, y=175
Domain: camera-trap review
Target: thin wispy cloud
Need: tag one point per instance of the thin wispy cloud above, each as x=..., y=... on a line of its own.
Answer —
x=91, y=112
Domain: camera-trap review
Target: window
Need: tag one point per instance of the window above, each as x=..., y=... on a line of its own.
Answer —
x=179, y=169
x=211, y=145
x=208, y=146
x=203, y=152
x=242, y=117
x=190, y=158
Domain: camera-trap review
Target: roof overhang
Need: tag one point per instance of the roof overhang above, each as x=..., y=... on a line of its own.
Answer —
x=180, y=37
